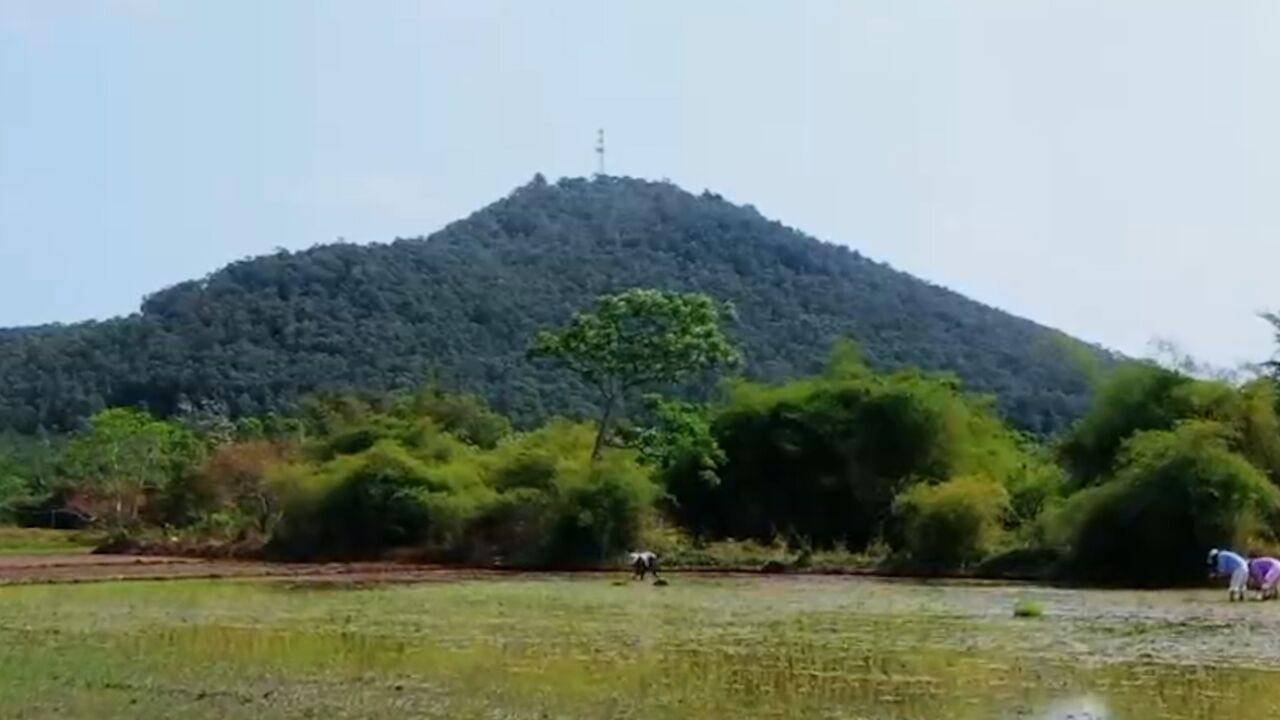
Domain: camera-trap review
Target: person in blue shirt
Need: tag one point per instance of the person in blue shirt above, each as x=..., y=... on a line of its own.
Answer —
x=1225, y=562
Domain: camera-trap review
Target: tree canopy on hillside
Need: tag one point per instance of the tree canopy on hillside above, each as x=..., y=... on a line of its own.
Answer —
x=461, y=306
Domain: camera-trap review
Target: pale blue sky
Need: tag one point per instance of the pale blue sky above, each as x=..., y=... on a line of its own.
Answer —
x=1111, y=167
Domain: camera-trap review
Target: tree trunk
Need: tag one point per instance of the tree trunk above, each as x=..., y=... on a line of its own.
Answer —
x=605, y=418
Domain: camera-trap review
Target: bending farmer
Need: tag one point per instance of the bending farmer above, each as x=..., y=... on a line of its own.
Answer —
x=1264, y=573
x=1225, y=562
x=644, y=562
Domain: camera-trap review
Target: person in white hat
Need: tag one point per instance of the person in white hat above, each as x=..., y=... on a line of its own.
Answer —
x=1225, y=562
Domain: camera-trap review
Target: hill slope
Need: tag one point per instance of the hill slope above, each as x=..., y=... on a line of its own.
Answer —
x=463, y=303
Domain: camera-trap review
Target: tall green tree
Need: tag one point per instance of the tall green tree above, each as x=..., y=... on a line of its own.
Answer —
x=124, y=457
x=679, y=436
x=636, y=339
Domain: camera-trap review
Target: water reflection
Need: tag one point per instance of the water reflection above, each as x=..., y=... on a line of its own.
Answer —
x=1084, y=707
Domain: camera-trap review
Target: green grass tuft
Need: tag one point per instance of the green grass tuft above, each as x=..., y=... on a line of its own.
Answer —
x=1027, y=609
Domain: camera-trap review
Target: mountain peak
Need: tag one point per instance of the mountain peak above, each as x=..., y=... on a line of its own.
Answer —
x=462, y=304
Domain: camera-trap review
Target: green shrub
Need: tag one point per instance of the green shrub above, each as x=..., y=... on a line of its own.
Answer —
x=299, y=488
x=603, y=514
x=466, y=417
x=824, y=458
x=1135, y=397
x=233, y=481
x=1025, y=608
x=357, y=505
x=554, y=506
x=29, y=468
x=353, y=440
x=1142, y=397
x=452, y=517
x=534, y=499
x=951, y=524
x=14, y=491
x=526, y=470
x=513, y=529
x=1037, y=486
x=1176, y=493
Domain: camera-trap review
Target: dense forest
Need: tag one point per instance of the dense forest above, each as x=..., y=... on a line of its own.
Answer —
x=849, y=466
x=846, y=468
x=459, y=307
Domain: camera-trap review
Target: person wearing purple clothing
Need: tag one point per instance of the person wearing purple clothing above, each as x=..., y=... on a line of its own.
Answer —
x=1225, y=562
x=1264, y=574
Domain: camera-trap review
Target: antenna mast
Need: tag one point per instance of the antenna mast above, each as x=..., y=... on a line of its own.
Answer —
x=600, y=152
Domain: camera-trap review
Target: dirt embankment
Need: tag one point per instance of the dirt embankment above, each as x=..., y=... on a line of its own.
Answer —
x=16, y=569
x=79, y=568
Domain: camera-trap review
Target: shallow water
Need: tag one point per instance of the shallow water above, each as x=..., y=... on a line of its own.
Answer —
x=582, y=647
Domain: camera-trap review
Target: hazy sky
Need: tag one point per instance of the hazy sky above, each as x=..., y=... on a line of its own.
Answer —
x=1111, y=168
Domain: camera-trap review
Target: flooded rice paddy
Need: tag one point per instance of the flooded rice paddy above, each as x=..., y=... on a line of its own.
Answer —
x=588, y=647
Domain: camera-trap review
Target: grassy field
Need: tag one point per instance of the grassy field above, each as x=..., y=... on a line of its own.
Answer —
x=592, y=647
x=35, y=541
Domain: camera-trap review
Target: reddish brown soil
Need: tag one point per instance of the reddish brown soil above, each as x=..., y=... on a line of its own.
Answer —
x=88, y=568
x=73, y=568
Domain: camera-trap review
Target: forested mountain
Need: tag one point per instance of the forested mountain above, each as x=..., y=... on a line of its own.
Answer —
x=462, y=304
